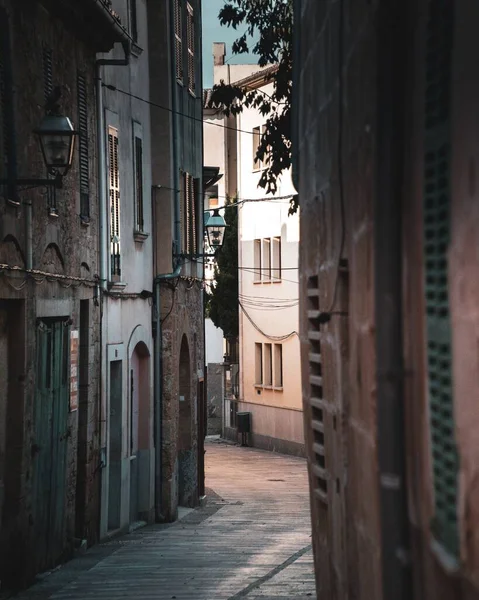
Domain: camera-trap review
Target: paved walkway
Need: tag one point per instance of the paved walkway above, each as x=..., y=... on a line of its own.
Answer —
x=251, y=541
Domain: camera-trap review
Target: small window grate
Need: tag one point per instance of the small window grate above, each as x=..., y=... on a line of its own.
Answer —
x=436, y=232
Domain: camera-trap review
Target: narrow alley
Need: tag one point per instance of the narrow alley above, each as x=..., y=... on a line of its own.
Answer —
x=252, y=540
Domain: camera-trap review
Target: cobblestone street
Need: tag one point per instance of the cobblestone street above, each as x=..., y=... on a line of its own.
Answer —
x=252, y=540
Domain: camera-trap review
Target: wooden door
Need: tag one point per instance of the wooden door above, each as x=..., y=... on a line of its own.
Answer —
x=51, y=434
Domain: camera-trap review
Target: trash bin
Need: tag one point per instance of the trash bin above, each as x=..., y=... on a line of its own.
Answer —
x=243, y=420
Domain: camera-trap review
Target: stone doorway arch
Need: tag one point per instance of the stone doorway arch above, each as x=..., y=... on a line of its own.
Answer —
x=139, y=439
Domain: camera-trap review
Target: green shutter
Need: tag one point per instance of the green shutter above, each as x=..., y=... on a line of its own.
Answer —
x=437, y=200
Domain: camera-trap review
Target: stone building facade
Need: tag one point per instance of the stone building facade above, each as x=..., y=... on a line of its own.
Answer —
x=177, y=183
x=49, y=297
x=126, y=259
x=386, y=158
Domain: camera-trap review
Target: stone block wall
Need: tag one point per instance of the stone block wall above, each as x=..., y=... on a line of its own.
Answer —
x=61, y=245
x=182, y=316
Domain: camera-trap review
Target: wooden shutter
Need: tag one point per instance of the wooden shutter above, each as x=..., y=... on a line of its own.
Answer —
x=139, y=183
x=319, y=409
x=193, y=215
x=184, y=213
x=4, y=54
x=83, y=154
x=133, y=20
x=178, y=40
x=114, y=179
x=190, y=34
x=437, y=164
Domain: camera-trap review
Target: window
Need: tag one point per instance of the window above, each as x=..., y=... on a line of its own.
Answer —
x=258, y=364
x=139, y=183
x=258, y=132
x=266, y=267
x=178, y=40
x=436, y=236
x=190, y=33
x=278, y=365
x=268, y=365
x=257, y=260
x=212, y=196
x=189, y=215
x=276, y=259
x=256, y=143
x=83, y=148
x=114, y=183
x=133, y=21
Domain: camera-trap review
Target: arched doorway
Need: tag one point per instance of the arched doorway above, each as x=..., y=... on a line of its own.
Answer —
x=139, y=432
x=186, y=458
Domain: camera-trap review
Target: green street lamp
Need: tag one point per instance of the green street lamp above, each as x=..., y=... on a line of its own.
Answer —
x=215, y=227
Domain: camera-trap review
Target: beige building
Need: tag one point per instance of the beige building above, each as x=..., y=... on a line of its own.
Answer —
x=269, y=381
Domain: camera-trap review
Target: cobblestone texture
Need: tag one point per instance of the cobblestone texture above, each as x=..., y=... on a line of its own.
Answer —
x=252, y=540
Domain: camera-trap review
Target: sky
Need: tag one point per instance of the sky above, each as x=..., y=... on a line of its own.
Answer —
x=214, y=32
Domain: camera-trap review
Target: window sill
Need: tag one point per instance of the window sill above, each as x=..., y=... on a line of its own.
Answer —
x=259, y=385
x=53, y=212
x=277, y=281
x=180, y=82
x=267, y=387
x=84, y=221
x=192, y=94
x=15, y=203
x=140, y=236
x=117, y=286
x=136, y=50
x=278, y=388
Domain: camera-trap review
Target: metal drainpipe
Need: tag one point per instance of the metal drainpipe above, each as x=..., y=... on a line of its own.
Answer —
x=391, y=51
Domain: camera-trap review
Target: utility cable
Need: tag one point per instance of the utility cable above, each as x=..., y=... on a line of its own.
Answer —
x=113, y=88
x=275, y=338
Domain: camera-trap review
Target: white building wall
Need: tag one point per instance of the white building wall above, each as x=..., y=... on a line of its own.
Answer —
x=127, y=317
x=214, y=343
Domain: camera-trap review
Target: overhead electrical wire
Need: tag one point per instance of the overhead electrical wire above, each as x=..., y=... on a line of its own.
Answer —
x=274, y=338
x=113, y=88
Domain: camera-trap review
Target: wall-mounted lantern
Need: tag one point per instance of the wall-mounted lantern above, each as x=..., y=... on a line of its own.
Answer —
x=57, y=140
x=215, y=227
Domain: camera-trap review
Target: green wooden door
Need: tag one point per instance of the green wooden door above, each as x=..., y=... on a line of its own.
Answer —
x=51, y=434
